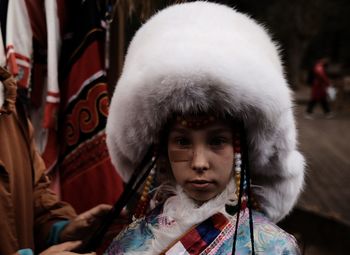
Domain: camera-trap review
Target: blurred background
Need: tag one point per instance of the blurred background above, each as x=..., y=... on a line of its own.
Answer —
x=75, y=50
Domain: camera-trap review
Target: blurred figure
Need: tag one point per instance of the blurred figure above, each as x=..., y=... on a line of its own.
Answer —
x=320, y=84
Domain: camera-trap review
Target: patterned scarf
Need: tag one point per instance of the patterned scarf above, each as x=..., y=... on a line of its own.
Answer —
x=199, y=237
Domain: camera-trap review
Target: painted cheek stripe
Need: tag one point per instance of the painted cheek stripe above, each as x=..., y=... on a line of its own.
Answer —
x=180, y=155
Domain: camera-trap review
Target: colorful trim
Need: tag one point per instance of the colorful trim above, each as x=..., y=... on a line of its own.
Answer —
x=199, y=237
x=226, y=233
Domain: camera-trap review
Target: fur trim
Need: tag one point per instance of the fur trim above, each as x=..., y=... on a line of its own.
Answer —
x=199, y=56
x=2, y=97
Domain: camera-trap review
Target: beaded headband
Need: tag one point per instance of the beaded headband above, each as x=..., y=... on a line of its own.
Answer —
x=199, y=121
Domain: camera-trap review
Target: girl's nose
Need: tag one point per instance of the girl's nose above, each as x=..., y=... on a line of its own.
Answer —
x=200, y=160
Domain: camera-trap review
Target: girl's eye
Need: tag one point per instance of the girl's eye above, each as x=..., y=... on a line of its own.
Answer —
x=218, y=141
x=182, y=141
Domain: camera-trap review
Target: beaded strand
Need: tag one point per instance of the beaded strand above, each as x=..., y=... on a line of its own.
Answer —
x=238, y=177
x=145, y=195
x=238, y=163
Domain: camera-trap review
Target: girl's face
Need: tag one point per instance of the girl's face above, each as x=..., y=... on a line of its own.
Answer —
x=201, y=159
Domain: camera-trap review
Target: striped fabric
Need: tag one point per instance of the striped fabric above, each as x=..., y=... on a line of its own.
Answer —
x=198, y=238
x=19, y=42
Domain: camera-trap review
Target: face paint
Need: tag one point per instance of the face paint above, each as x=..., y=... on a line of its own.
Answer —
x=180, y=155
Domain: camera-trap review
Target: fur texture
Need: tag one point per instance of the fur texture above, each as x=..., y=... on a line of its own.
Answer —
x=201, y=56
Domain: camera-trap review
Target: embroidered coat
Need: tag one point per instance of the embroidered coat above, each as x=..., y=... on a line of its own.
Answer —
x=212, y=236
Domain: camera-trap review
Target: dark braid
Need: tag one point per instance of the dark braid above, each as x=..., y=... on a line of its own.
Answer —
x=245, y=177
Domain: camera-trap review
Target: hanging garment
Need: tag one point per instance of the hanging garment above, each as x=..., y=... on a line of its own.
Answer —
x=19, y=42
x=46, y=114
x=3, y=18
x=2, y=51
x=87, y=175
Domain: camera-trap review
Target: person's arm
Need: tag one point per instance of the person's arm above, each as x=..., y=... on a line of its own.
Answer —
x=56, y=221
x=48, y=210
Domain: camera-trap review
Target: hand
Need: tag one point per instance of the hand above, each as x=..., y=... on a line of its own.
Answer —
x=63, y=249
x=84, y=224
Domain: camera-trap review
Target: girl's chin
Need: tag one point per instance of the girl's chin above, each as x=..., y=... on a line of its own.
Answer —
x=201, y=199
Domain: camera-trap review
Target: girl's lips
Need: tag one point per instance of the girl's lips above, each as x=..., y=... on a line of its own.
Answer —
x=200, y=184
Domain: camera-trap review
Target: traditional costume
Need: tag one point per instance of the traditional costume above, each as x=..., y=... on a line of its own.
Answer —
x=197, y=58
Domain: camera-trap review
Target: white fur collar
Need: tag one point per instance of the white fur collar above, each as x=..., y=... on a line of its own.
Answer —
x=184, y=213
x=2, y=94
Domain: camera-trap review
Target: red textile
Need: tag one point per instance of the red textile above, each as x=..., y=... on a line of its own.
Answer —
x=97, y=184
x=87, y=175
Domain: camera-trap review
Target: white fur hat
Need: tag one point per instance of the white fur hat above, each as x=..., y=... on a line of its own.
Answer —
x=199, y=56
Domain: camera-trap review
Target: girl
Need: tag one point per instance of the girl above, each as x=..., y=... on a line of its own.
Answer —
x=204, y=85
